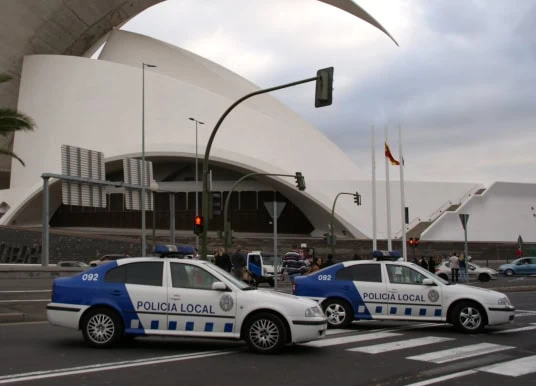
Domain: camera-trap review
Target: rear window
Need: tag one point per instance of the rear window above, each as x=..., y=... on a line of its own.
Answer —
x=142, y=273
x=361, y=272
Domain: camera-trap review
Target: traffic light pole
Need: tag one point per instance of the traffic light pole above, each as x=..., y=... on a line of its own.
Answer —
x=331, y=224
x=226, y=227
x=205, y=203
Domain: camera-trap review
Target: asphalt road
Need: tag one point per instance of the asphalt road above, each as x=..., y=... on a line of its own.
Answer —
x=368, y=353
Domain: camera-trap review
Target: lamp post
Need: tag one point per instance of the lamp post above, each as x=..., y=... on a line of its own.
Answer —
x=357, y=200
x=196, y=176
x=142, y=200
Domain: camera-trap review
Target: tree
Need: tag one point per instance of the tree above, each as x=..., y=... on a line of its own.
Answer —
x=11, y=121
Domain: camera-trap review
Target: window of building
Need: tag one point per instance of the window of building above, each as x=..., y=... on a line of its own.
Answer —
x=361, y=272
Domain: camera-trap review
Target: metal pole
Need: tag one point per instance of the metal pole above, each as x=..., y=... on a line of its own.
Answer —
x=402, y=196
x=172, y=218
x=196, y=186
x=154, y=219
x=204, y=202
x=332, y=220
x=142, y=200
x=466, y=254
x=276, y=259
x=374, y=233
x=388, y=199
x=45, y=246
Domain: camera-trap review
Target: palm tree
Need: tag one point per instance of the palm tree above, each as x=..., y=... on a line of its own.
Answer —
x=11, y=121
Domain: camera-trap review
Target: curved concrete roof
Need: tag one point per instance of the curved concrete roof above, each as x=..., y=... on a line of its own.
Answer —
x=76, y=28
x=54, y=27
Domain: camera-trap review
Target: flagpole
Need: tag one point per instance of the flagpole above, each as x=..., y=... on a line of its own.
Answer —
x=374, y=235
x=388, y=198
x=402, y=198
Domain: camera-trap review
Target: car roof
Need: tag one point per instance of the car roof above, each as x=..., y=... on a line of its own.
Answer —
x=150, y=258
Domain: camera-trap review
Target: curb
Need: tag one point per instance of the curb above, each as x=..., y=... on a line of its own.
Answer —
x=11, y=317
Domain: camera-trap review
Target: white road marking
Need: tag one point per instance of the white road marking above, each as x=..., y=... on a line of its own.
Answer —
x=399, y=345
x=104, y=367
x=527, y=311
x=528, y=328
x=513, y=368
x=458, y=353
x=350, y=339
x=444, y=378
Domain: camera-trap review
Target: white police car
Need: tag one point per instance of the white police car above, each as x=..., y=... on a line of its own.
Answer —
x=172, y=297
x=386, y=290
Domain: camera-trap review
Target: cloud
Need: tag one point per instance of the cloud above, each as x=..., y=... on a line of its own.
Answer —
x=460, y=84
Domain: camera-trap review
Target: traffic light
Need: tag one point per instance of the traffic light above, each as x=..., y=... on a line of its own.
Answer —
x=357, y=199
x=300, y=181
x=324, y=87
x=416, y=242
x=215, y=204
x=411, y=242
x=327, y=238
x=198, y=225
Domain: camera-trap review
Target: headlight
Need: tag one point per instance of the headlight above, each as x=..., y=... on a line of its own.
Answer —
x=503, y=301
x=313, y=311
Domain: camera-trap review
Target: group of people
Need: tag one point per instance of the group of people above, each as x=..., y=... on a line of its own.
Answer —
x=428, y=263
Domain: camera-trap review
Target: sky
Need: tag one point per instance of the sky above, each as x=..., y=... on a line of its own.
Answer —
x=461, y=85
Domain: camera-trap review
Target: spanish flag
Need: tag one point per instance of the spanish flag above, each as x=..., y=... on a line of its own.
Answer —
x=390, y=156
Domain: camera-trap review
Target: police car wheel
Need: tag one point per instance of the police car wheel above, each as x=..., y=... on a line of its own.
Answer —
x=338, y=312
x=265, y=333
x=509, y=272
x=469, y=317
x=102, y=327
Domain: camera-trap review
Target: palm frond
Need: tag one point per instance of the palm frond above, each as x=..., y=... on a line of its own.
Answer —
x=12, y=120
x=11, y=154
x=5, y=78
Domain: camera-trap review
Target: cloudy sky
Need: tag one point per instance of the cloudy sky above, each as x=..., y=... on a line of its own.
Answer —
x=462, y=84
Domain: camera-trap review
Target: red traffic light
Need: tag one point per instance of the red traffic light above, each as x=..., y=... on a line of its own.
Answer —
x=416, y=242
x=411, y=242
x=198, y=225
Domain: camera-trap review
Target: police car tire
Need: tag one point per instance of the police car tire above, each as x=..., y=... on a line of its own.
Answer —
x=509, y=272
x=338, y=303
x=467, y=309
x=105, y=319
x=265, y=333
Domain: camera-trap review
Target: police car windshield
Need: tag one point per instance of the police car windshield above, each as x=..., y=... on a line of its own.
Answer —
x=238, y=283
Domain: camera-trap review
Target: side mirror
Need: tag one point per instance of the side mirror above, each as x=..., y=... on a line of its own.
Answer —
x=219, y=286
x=428, y=282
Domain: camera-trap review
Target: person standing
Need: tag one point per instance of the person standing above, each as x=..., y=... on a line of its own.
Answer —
x=294, y=265
x=454, y=267
x=431, y=264
x=238, y=262
x=463, y=268
x=424, y=263
x=223, y=260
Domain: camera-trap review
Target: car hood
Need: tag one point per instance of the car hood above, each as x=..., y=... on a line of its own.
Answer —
x=283, y=297
x=474, y=291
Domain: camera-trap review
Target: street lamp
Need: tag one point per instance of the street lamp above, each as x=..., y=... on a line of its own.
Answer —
x=196, y=176
x=142, y=201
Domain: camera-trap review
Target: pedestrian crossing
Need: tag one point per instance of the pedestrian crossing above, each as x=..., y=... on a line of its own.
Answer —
x=382, y=341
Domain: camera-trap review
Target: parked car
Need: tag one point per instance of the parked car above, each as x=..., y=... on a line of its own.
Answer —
x=180, y=297
x=72, y=264
x=261, y=267
x=107, y=258
x=521, y=266
x=385, y=290
x=474, y=272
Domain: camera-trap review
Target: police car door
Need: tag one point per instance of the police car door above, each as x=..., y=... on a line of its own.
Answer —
x=140, y=291
x=363, y=284
x=195, y=308
x=409, y=298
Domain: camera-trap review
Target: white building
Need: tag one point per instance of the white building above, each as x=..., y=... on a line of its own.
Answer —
x=96, y=104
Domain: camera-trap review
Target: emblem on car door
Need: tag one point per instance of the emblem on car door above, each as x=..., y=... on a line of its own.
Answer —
x=226, y=302
x=433, y=295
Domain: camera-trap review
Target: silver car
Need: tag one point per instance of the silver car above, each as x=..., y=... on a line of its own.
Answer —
x=473, y=271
